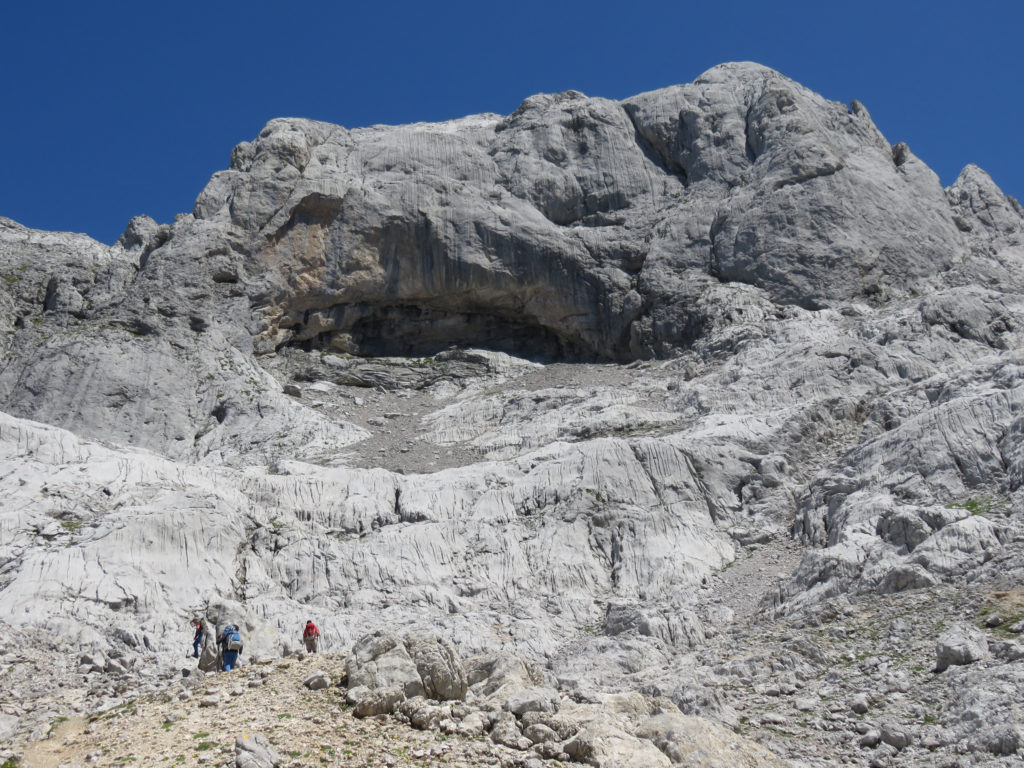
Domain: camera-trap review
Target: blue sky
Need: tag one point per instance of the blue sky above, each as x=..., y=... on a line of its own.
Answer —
x=111, y=109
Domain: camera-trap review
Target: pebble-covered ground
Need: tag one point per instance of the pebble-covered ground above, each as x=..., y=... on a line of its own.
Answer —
x=196, y=724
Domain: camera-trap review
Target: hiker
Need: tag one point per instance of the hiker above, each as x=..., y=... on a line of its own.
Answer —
x=230, y=642
x=199, y=625
x=311, y=637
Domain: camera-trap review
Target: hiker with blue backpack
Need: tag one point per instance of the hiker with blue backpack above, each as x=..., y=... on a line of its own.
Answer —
x=230, y=642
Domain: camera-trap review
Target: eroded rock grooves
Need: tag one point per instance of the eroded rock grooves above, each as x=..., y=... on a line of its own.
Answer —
x=711, y=396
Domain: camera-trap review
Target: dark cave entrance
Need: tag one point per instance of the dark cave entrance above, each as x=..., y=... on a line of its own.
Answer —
x=416, y=331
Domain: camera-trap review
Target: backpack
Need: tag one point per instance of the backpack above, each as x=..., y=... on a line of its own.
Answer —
x=232, y=639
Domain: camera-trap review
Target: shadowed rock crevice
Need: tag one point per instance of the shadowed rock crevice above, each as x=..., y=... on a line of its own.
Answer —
x=657, y=159
x=408, y=330
x=417, y=286
x=312, y=210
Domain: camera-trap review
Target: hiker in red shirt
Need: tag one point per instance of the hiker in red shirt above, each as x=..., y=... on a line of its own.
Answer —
x=311, y=637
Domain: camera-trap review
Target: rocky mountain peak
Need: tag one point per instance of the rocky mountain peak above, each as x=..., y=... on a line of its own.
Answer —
x=706, y=403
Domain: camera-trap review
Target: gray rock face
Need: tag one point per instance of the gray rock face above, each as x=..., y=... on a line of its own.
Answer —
x=419, y=664
x=532, y=700
x=380, y=660
x=379, y=701
x=255, y=752
x=438, y=666
x=787, y=156
x=190, y=424
x=692, y=740
x=532, y=219
x=317, y=680
x=959, y=645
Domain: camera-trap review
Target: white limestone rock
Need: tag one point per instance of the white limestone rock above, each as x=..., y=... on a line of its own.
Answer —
x=380, y=660
x=496, y=676
x=438, y=666
x=532, y=700
x=378, y=701
x=841, y=359
x=959, y=645
x=687, y=740
x=317, y=680
x=506, y=731
x=604, y=745
x=255, y=751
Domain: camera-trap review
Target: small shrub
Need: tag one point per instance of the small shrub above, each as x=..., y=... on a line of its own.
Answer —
x=980, y=506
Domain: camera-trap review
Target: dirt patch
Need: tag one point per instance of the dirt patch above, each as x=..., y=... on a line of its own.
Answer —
x=54, y=750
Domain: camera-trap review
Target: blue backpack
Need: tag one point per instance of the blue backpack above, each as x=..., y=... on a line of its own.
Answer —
x=232, y=639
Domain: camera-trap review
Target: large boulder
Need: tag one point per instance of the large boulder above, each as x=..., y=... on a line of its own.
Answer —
x=603, y=744
x=379, y=701
x=317, y=680
x=537, y=699
x=959, y=645
x=255, y=751
x=439, y=668
x=380, y=660
x=498, y=675
x=506, y=731
x=419, y=664
x=690, y=740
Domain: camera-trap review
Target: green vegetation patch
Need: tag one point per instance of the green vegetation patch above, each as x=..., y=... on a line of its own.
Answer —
x=983, y=505
x=1007, y=605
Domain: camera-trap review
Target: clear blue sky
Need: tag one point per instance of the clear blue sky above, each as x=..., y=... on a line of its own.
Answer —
x=111, y=109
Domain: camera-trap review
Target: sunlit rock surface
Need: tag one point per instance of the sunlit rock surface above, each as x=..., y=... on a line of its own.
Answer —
x=681, y=394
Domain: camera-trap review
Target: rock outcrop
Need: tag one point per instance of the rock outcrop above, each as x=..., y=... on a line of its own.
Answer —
x=675, y=394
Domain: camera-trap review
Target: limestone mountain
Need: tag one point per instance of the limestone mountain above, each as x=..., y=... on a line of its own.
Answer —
x=699, y=394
